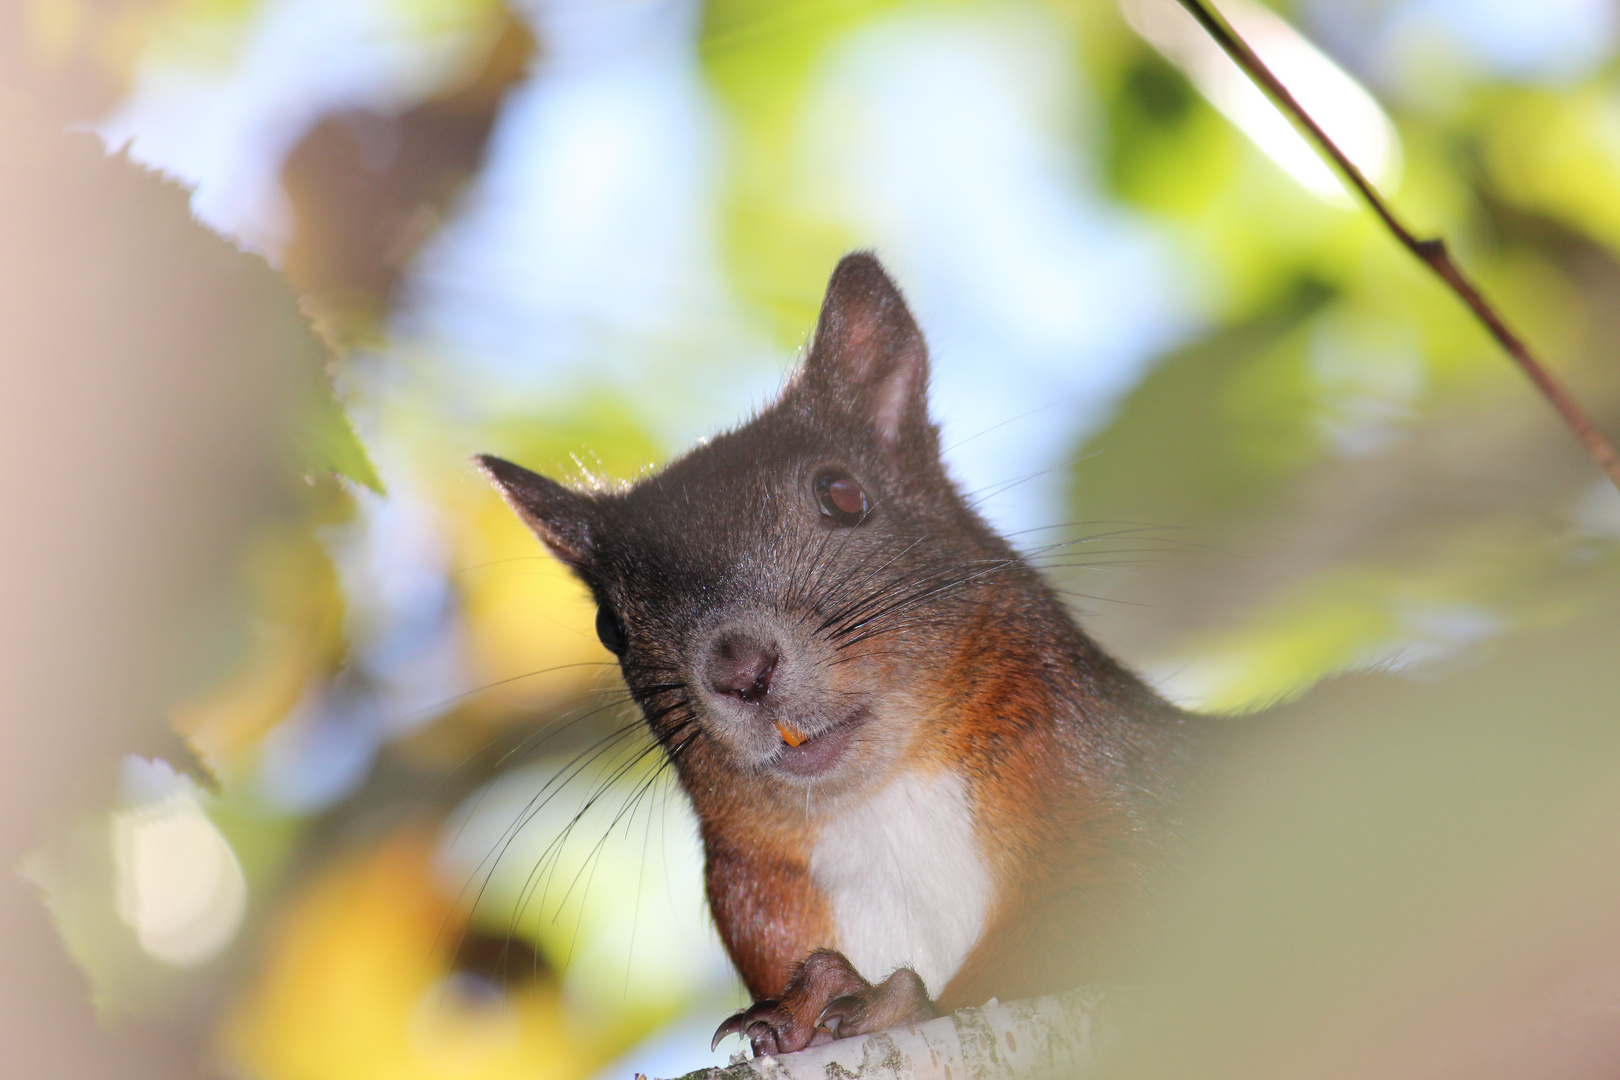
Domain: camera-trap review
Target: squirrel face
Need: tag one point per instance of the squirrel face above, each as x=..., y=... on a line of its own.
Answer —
x=901, y=750
x=781, y=596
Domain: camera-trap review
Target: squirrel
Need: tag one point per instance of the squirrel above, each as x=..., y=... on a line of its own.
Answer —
x=919, y=784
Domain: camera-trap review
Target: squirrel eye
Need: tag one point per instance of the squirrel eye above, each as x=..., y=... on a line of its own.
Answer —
x=841, y=497
x=610, y=630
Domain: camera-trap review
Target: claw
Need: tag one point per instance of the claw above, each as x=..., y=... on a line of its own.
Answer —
x=731, y=1025
x=837, y=1010
x=762, y=1036
x=848, y=1005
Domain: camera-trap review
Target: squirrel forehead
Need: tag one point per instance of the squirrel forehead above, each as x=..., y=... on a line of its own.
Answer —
x=745, y=497
x=771, y=456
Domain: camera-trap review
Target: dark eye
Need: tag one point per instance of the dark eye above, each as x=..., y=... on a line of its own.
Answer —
x=841, y=497
x=610, y=630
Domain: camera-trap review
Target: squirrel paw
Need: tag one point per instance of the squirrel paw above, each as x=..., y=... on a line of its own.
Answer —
x=826, y=999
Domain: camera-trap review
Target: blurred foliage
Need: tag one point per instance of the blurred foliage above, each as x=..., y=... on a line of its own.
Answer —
x=779, y=237
x=1337, y=363
x=1414, y=877
x=354, y=988
x=297, y=633
x=1332, y=468
x=164, y=393
x=369, y=187
x=330, y=445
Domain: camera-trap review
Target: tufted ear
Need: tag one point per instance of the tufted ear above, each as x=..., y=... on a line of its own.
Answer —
x=868, y=356
x=560, y=517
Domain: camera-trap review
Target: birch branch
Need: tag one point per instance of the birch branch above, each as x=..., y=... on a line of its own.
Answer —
x=1432, y=252
x=1016, y=1040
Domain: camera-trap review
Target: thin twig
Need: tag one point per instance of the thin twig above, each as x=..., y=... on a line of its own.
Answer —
x=1432, y=252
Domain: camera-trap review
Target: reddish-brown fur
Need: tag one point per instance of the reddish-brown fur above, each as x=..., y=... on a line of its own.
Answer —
x=994, y=718
x=768, y=911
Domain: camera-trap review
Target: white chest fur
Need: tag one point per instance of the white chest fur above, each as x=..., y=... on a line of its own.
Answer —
x=906, y=878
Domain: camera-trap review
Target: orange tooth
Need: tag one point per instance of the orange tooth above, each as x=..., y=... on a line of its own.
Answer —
x=790, y=734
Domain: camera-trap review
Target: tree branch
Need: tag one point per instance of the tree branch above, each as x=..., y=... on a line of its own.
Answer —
x=1017, y=1040
x=1432, y=252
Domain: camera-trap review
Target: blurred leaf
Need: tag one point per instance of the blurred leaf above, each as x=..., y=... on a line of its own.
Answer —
x=1212, y=431
x=329, y=443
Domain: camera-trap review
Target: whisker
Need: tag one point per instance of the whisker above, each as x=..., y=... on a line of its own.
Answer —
x=442, y=705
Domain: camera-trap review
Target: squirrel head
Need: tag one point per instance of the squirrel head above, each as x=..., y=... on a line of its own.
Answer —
x=784, y=597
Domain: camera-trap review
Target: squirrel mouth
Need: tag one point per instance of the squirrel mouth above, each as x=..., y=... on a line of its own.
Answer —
x=807, y=755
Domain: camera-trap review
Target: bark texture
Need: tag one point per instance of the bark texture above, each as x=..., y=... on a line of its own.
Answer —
x=1047, y=1036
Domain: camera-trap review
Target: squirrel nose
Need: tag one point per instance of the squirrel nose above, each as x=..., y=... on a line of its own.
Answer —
x=741, y=668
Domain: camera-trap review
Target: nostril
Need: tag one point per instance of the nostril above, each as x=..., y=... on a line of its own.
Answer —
x=742, y=669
